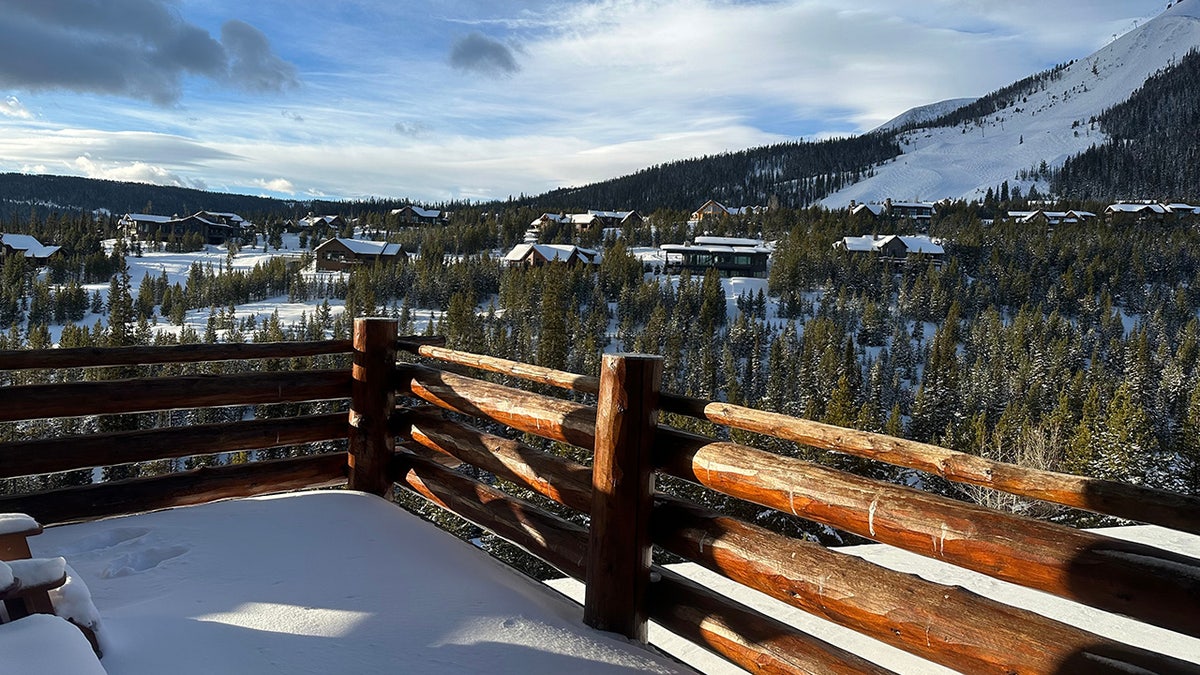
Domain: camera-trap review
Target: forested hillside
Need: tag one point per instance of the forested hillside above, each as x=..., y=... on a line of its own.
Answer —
x=1153, y=151
x=793, y=174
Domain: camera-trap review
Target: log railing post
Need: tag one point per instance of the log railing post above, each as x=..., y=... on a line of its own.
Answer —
x=618, y=563
x=372, y=399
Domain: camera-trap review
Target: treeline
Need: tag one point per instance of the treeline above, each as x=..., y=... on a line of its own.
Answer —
x=796, y=173
x=1153, y=150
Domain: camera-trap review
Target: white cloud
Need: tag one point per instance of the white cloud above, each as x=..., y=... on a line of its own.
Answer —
x=12, y=107
x=603, y=89
x=276, y=185
x=136, y=172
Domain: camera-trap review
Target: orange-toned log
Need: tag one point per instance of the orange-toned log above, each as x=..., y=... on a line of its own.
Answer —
x=1155, y=586
x=560, y=543
x=944, y=624
x=524, y=371
x=1160, y=507
x=747, y=638
x=544, y=416
x=562, y=480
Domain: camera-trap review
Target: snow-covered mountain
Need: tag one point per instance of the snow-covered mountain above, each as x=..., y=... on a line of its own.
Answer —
x=924, y=113
x=1050, y=123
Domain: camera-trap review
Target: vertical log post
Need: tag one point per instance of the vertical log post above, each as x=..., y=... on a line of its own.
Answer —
x=618, y=563
x=372, y=400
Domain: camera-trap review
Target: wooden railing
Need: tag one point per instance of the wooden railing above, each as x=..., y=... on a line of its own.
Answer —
x=626, y=516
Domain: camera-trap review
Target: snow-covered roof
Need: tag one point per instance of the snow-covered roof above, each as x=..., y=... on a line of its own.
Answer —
x=618, y=215
x=146, y=218
x=727, y=241
x=551, y=252
x=31, y=247
x=225, y=216
x=364, y=247
x=1122, y=207
x=915, y=243
x=921, y=244
x=552, y=217
x=874, y=209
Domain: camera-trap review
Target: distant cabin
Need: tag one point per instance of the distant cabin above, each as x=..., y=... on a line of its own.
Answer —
x=335, y=222
x=714, y=209
x=894, y=248
x=27, y=247
x=1051, y=218
x=921, y=212
x=415, y=215
x=1149, y=211
x=213, y=227
x=341, y=255
x=729, y=256
x=536, y=255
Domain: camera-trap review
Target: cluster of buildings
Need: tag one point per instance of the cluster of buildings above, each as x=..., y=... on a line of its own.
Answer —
x=213, y=227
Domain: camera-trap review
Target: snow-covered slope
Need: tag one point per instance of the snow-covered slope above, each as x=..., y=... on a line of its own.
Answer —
x=924, y=113
x=1049, y=125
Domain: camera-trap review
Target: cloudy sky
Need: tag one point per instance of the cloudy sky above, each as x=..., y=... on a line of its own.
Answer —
x=482, y=99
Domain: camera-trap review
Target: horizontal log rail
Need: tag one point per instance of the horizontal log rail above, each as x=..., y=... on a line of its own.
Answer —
x=745, y=637
x=1133, y=502
x=559, y=542
x=1148, y=505
x=90, y=357
x=735, y=632
x=562, y=480
x=108, y=397
x=545, y=416
x=943, y=624
x=556, y=378
x=1141, y=581
x=178, y=489
x=48, y=455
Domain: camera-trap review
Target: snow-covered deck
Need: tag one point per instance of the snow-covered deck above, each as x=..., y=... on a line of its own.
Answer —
x=343, y=582
x=320, y=582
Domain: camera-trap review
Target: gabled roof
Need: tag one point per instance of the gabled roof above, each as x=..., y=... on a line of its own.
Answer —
x=551, y=252
x=873, y=209
x=30, y=246
x=363, y=247
x=915, y=243
x=147, y=218
x=1135, y=208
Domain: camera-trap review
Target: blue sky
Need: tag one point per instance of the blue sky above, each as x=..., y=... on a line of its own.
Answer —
x=467, y=99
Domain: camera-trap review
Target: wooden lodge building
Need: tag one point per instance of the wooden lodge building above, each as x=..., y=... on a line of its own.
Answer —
x=536, y=255
x=212, y=226
x=894, y=248
x=730, y=256
x=26, y=246
x=341, y=255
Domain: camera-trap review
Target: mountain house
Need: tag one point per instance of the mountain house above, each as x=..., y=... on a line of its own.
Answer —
x=341, y=255
x=730, y=256
x=28, y=246
x=894, y=248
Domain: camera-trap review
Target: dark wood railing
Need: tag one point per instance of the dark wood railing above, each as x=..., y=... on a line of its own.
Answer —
x=626, y=517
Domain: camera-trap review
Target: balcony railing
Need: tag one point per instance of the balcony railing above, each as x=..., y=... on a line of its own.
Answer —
x=415, y=446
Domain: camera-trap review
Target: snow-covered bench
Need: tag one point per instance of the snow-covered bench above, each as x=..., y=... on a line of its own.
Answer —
x=26, y=582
